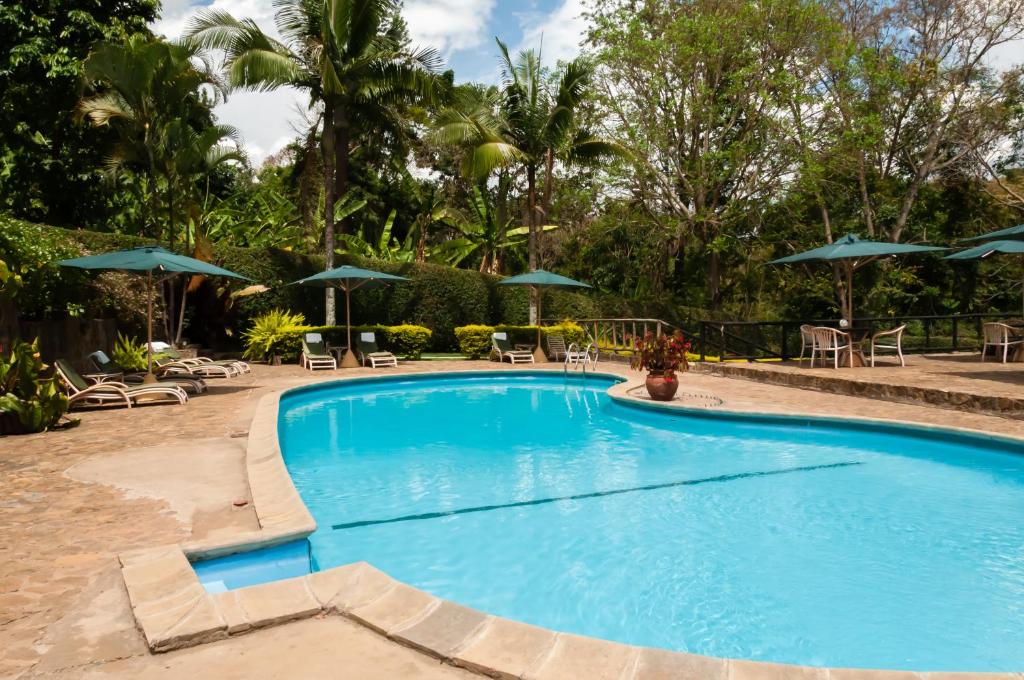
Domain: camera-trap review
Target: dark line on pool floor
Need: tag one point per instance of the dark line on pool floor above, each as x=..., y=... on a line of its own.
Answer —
x=594, y=494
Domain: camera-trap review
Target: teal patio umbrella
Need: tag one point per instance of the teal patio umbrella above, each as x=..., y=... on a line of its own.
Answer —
x=149, y=259
x=852, y=253
x=982, y=251
x=1010, y=233
x=348, y=279
x=538, y=280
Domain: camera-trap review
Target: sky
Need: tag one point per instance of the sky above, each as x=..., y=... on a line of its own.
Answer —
x=463, y=31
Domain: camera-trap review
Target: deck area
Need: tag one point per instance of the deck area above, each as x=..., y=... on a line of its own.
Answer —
x=955, y=381
x=70, y=501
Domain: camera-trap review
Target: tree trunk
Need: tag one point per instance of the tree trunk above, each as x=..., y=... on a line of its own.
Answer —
x=168, y=286
x=549, y=181
x=531, y=215
x=714, y=280
x=328, y=143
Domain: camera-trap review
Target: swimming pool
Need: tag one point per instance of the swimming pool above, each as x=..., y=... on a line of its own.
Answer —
x=538, y=498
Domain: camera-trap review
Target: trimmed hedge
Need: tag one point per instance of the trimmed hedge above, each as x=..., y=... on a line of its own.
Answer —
x=407, y=341
x=475, y=340
x=437, y=297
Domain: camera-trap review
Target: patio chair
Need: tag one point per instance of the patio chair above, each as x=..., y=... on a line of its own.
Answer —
x=109, y=370
x=828, y=340
x=234, y=366
x=806, y=341
x=503, y=348
x=891, y=339
x=110, y=392
x=556, y=346
x=314, y=353
x=1000, y=335
x=369, y=353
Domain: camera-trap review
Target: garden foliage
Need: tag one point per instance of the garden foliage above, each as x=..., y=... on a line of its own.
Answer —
x=29, y=401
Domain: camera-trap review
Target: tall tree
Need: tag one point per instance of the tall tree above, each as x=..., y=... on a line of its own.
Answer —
x=532, y=123
x=148, y=91
x=49, y=164
x=695, y=88
x=347, y=55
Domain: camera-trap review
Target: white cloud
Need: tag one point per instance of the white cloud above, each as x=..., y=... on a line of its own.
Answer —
x=266, y=121
x=448, y=25
x=559, y=33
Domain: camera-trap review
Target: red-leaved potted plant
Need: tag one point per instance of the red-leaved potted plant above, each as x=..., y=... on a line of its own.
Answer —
x=661, y=356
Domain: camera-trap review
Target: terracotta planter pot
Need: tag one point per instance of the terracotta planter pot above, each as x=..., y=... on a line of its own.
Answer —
x=661, y=388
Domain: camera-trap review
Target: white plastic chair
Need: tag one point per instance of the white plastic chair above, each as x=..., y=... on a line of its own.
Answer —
x=895, y=343
x=828, y=340
x=999, y=335
x=806, y=341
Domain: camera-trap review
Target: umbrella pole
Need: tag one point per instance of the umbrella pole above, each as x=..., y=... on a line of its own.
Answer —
x=539, y=357
x=849, y=293
x=349, y=360
x=150, y=378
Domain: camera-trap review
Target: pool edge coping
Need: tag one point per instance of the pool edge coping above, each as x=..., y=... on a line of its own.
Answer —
x=173, y=610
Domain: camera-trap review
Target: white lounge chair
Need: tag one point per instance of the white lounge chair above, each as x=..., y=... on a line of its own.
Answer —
x=79, y=390
x=503, y=348
x=1000, y=335
x=829, y=340
x=369, y=353
x=576, y=357
x=109, y=370
x=314, y=353
x=234, y=366
x=891, y=339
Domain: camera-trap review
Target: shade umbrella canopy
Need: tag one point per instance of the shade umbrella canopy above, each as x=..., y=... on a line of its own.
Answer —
x=1008, y=233
x=850, y=247
x=978, y=252
x=853, y=253
x=149, y=259
x=541, y=278
x=536, y=280
x=347, y=278
x=346, y=275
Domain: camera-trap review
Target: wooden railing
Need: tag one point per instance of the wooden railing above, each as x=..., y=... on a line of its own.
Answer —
x=618, y=336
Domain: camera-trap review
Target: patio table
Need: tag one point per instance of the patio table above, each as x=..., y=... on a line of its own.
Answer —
x=855, y=355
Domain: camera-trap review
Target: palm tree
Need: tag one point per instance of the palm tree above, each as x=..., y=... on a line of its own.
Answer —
x=485, y=231
x=146, y=88
x=190, y=155
x=532, y=123
x=344, y=55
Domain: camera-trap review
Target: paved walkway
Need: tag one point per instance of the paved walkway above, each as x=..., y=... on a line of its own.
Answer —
x=71, y=500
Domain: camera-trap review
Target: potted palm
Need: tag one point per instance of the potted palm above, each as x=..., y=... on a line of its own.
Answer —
x=661, y=356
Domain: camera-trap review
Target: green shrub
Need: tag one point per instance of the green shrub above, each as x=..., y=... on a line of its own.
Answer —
x=270, y=332
x=28, y=401
x=407, y=340
x=129, y=354
x=571, y=331
x=474, y=341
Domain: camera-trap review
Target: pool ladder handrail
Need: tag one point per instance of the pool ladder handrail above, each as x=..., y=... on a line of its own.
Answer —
x=576, y=358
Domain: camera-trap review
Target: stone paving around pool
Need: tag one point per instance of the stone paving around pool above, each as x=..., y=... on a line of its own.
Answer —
x=132, y=480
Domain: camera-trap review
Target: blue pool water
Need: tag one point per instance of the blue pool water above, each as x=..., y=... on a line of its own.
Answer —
x=540, y=499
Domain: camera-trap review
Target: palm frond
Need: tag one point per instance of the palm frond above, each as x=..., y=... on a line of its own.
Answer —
x=484, y=158
x=263, y=70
